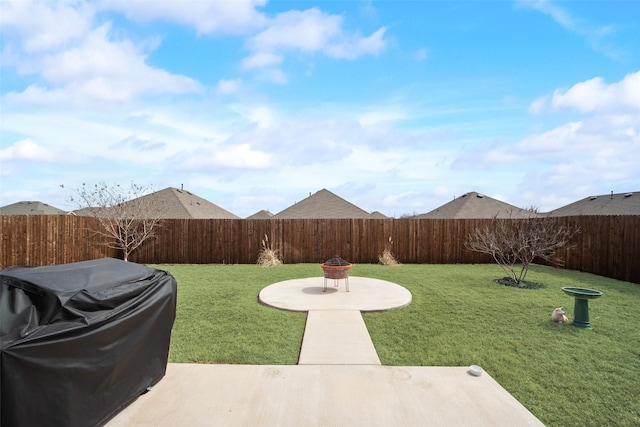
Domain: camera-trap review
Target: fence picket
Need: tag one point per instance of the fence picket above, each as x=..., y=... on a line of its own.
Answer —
x=607, y=245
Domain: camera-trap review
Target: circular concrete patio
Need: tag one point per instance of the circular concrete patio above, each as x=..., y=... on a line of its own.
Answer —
x=365, y=294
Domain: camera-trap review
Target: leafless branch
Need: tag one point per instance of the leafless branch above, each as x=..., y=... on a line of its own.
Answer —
x=518, y=242
x=126, y=218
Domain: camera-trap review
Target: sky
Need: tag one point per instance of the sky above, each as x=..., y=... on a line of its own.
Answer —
x=396, y=106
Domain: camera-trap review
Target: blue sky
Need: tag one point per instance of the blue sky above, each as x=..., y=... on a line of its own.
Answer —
x=396, y=106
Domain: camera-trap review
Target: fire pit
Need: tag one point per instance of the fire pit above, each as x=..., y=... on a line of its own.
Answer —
x=336, y=268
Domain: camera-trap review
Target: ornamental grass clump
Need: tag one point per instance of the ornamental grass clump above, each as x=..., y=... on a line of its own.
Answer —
x=268, y=257
x=387, y=257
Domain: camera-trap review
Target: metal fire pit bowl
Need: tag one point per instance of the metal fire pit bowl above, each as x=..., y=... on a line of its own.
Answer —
x=336, y=268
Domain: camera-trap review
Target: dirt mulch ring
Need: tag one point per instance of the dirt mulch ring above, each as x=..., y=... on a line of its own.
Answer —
x=523, y=284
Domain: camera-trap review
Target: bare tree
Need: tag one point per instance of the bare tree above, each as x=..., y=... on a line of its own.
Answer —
x=515, y=243
x=127, y=217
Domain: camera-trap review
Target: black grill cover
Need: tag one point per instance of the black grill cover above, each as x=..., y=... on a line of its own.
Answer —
x=80, y=341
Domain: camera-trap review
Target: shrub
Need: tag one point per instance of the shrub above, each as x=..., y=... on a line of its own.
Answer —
x=515, y=243
x=387, y=257
x=268, y=257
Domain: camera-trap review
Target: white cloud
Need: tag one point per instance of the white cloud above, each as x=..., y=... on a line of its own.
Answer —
x=558, y=14
x=260, y=115
x=372, y=118
x=309, y=31
x=75, y=63
x=261, y=59
x=404, y=198
x=98, y=70
x=539, y=105
x=241, y=156
x=226, y=87
x=594, y=95
x=26, y=149
x=207, y=17
x=140, y=144
x=560, y=141
x=596, y=143
x=38, y=26
x=83, y=139
x=273, y=75
x=596, y=36
x=356, y=46
x=592, y=154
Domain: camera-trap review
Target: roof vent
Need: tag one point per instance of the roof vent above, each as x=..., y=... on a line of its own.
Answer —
x=480, y=196
x=593, y=197
x=628, y=195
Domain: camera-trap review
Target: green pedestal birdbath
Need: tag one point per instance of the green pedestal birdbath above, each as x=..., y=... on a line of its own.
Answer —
x=581, y=306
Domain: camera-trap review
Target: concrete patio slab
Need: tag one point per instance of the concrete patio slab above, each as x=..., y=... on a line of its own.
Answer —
x=338, y=382
x=337, y=337
x=324, y=395
x=365, y=294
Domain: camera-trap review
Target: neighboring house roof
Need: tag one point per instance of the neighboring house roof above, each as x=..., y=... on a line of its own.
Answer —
x=323, y=204
x=179, y=204
x=606, y=204
x=378, y=215
x=30, y=208
x=83, y=212
x=476, y=205
x=263, y=214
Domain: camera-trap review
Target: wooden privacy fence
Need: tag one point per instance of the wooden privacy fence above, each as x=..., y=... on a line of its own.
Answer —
x=310, y=240
x=607, y=245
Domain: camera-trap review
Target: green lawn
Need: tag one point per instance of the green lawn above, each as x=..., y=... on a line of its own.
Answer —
x=564, y=375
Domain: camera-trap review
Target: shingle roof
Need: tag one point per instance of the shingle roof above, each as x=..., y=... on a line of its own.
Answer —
x=263, y=214
x=30, y=208
x=606, y=204
x=180, y=204
x=378, y=215
x=184, y=204
x=476, y=205
x=323, y=204
x=84, y=211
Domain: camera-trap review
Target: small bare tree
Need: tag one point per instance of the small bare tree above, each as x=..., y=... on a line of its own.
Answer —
x=126, y=218
x=518, y=242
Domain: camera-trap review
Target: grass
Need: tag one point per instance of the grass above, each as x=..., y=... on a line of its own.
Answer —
x=564, y=375
x=219, y=318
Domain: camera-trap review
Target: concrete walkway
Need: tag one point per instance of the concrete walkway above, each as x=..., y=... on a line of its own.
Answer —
x=338, y=381
x=337, y=337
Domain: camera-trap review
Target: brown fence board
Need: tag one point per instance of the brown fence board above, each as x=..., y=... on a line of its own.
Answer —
x=606, y=245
